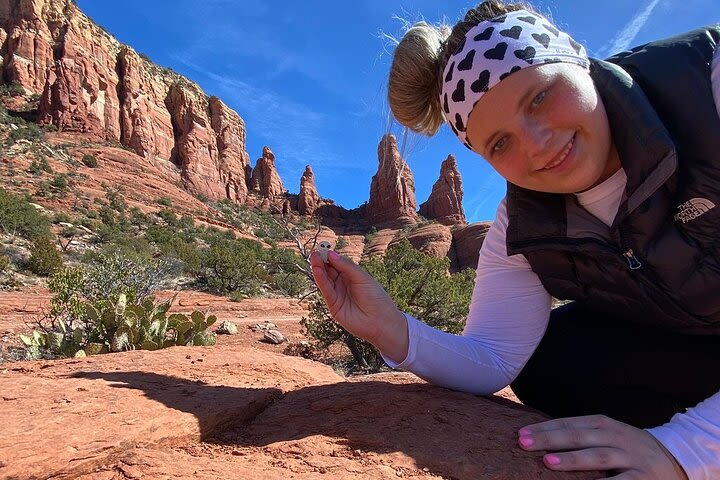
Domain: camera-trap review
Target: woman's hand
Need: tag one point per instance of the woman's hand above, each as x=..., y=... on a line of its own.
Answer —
x=596, y=442
x=358, y=303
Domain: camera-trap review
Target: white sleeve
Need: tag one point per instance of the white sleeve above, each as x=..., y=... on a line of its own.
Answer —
x=509, y=312
x=694, y=437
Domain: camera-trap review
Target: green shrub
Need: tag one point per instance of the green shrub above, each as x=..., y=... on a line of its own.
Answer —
x=4, y=263
x=44, y=257
x=341, y=243
x=37, y=167
x=13, y=89
x=60, y=182
x=164, y=201
x=19, y=217
x=89, y=160
x=232, y=266
x=28, y=131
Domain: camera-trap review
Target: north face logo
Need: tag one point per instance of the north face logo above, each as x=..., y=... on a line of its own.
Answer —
x=693, y=208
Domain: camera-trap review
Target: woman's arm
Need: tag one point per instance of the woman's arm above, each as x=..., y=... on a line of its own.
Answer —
x=508, y=315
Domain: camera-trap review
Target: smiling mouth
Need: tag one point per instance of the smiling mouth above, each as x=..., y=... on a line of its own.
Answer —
x=561, y=157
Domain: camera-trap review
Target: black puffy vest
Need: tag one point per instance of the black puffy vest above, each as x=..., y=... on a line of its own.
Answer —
x=659, y=262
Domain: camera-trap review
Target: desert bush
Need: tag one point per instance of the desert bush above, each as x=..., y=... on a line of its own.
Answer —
x=118, y=326
x=341, y=243
x=26, y=131
x=232, y=266
x=60, y=182
x=4, y=263
x=19, y=217
x=38, y=166
x=165, y=201
x=418, y=283
x=113, y=273
x=44, y=257
x=89, y=160
x=12, y=89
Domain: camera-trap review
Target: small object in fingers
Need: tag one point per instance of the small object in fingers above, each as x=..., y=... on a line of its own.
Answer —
x=323, y=249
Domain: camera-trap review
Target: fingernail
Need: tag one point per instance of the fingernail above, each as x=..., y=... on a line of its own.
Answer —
x=334, y=255
x=526, y=441
x=524, y=431
x=552, y=459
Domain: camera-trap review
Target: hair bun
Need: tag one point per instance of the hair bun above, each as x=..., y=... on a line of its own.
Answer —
x=414, y=80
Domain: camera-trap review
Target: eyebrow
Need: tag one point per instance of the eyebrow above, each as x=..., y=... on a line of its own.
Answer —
x=518, y=105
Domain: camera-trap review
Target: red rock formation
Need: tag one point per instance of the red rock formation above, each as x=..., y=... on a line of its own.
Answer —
x=80, y=92
x=392, y=191
x=433, y=239
x=31, y=28
x=233, y=157
x=466, y=243
x=308, y=198
x=146, y=123
x=265, y=178
x=445, y=201
x=196, y=146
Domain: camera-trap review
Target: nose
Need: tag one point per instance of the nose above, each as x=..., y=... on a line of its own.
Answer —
x=535, y=136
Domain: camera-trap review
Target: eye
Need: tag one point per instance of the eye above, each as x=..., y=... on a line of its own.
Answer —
x=499, y=145
x=539, y=98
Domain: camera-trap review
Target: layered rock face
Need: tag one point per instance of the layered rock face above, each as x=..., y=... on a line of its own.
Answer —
x=392, y=190
x=146, y=122
x=30, y=28
x=265, y=178
x=445, y=202
x=92, y=84
x=466, y=243
x=233, y=160
x=308, y=199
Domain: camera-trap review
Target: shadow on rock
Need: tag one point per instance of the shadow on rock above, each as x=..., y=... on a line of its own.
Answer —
x=452, y=434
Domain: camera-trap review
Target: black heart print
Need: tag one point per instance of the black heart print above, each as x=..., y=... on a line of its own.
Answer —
x=513, y=32
x=497, y=52
x=527, y=54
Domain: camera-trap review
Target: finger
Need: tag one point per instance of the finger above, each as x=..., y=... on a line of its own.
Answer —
x=322, y=280
x=586, y=421
x=569, y=439
x=604, y=458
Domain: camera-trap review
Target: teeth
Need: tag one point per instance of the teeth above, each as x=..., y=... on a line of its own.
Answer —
x=562, y=155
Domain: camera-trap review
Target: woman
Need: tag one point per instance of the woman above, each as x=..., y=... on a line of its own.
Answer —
x=613, y=176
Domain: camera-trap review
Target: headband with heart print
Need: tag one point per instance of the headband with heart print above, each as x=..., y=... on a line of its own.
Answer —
x=494, y=49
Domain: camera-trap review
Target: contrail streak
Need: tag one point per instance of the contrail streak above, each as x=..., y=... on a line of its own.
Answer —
x=629, y=32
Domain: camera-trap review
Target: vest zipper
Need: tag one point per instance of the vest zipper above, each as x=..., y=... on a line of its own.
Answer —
x=632, y=260
x=627, y=251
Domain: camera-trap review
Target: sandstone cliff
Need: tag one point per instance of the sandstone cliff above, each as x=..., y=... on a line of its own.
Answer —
x=92, y=84
x=445, y=202
x=265, y=178
x=392, y=190
x=308, y=198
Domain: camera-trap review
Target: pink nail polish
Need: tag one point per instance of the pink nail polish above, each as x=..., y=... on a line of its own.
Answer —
x=524, y=431
x=552, y=459
x=526, y=441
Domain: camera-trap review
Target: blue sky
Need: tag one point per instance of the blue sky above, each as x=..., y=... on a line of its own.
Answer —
x=309, y=77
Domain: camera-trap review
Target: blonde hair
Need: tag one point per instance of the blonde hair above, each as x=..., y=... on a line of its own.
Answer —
x=419, y=60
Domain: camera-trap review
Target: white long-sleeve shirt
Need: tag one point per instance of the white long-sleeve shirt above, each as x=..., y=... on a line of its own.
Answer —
x=509, y=313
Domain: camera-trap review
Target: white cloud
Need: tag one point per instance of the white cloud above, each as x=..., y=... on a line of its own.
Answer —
x=623, y=39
